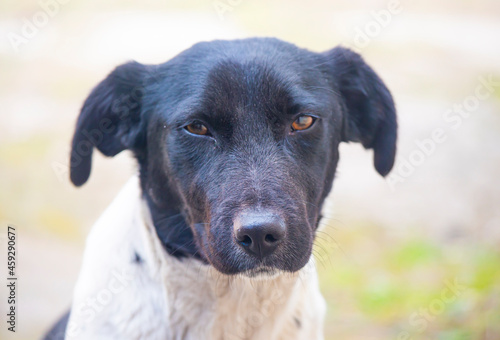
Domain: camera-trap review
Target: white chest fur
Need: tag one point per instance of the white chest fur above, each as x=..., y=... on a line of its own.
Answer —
x=161, y=297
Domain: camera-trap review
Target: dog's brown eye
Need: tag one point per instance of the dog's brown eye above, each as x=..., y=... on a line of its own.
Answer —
x=197, y=129
x=302, y=123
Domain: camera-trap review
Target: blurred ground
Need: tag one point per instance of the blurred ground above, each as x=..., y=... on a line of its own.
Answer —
x=388, y=247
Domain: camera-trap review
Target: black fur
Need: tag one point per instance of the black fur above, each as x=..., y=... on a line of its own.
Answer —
x=371, y=115
x=59, y=329
x=248, y=93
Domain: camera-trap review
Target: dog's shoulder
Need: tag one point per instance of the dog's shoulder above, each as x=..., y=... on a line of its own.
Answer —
x=119, y=266
x=129, y=287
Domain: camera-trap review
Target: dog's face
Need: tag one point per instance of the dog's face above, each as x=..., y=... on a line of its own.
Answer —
x=237, y=144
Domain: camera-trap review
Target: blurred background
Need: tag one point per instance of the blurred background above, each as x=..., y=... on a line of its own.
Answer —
x=412, y=256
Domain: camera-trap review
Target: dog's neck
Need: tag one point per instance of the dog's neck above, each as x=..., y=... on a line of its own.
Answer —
x=235, y=306
x=159, y=296
x=172, y=229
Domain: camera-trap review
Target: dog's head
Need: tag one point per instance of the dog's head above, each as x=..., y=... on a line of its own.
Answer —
x=237, y=144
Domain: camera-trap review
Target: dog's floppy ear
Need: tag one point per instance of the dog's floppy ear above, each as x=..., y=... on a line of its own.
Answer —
x=110, y=119
x=371, y=115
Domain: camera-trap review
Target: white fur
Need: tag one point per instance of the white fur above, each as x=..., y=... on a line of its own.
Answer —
x=166, y=298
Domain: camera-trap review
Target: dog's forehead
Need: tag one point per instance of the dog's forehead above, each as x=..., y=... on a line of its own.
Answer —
x=253, y=85
x=237, y=80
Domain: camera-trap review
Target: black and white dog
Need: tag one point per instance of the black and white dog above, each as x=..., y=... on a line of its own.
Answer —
x=237, y=146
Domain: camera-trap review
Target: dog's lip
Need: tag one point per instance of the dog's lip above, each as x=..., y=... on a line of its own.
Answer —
x=261, y=271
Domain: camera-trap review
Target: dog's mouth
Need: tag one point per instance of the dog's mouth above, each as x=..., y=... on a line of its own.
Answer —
x=262, y=246
x=262, y=272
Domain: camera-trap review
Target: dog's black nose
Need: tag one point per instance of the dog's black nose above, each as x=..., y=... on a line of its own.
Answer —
x=259, y=232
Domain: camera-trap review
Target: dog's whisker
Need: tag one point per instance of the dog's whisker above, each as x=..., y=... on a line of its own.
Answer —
x=237, y=145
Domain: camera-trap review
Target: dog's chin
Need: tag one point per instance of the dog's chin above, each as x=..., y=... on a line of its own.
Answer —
x=262, y=273
x=256, y=269
x=257, y=272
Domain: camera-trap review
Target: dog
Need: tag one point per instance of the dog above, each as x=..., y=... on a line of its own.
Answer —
x=237, y=147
